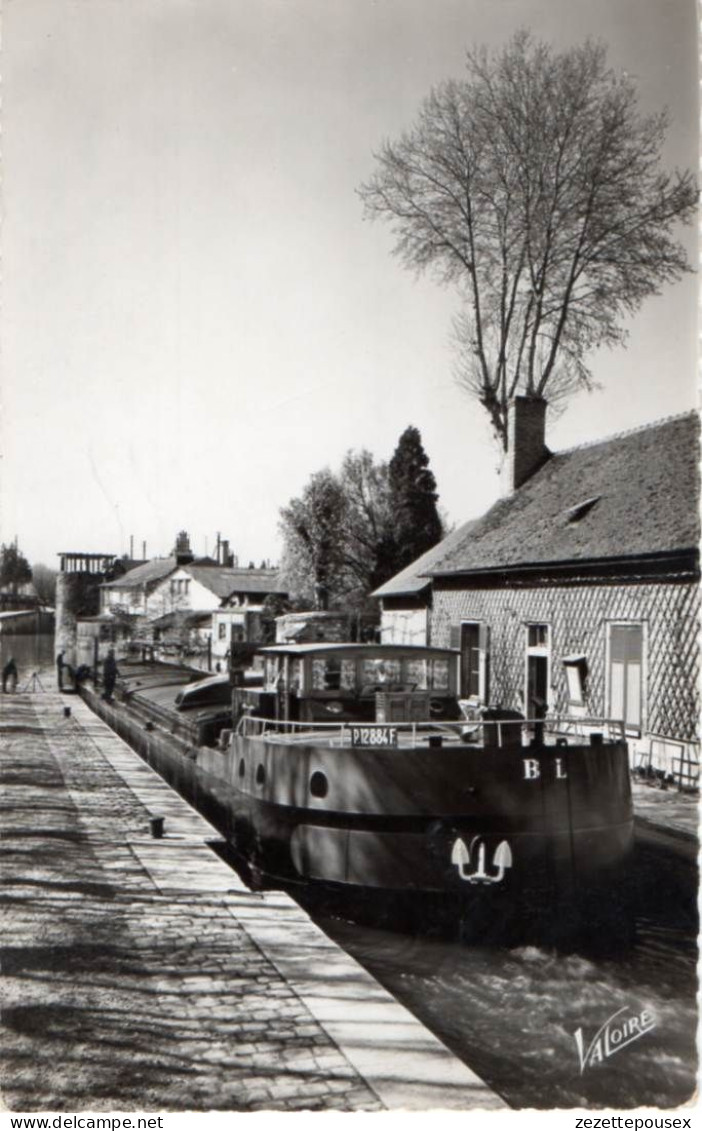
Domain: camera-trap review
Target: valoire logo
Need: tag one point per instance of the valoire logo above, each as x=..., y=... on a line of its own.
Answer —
x=617, y=1032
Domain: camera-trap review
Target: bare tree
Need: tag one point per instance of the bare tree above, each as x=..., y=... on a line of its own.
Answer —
x=535, y=186
x=44, y=580
x=367, y=535
x=312, y=562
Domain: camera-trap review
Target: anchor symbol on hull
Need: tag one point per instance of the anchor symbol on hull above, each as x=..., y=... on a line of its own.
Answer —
x=461, y=859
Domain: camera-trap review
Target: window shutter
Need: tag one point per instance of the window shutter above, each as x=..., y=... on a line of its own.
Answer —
x=455, y=638
x=485, y=662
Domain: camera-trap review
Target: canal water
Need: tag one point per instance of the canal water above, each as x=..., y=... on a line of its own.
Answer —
x=513, y=1014
x=32, y=652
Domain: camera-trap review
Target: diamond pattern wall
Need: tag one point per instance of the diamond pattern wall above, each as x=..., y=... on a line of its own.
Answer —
x=579, y=613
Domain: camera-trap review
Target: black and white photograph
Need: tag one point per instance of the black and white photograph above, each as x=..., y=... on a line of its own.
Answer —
x=349, y=561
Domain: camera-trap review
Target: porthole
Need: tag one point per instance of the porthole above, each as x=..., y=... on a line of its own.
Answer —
x=260, y=774
x=319, y=786
x=242, y=767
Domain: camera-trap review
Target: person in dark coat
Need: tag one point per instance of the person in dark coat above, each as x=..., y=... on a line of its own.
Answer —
x=10, y=675
x=60, y=665
x=109, y=674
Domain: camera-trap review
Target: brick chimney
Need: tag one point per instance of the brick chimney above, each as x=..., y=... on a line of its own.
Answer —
x=526, y=437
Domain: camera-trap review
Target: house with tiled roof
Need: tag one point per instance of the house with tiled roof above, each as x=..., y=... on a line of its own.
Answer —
x=130, y=592
x=407, y=597
x=578, y=591
x=188, y=601
x=239, y=617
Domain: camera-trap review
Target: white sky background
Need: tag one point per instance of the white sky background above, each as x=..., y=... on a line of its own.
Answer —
x=195, y=314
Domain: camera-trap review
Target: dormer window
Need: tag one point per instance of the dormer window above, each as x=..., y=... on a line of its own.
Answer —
x=581, y=509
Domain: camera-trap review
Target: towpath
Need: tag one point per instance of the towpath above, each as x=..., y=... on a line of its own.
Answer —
x=141, y=974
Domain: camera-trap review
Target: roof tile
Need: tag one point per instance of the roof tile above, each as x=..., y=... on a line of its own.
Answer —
x=646, y=486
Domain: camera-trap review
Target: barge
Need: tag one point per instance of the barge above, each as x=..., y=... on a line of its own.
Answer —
x=356, y=772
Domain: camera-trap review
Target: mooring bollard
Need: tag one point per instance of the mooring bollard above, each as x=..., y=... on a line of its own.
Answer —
x=66, y=712
x=157, y=824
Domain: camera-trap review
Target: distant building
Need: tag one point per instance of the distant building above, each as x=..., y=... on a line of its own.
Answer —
x=130, y=592
x=78, y=596
x=318, y=626
x=239, y=617
x=579, y=590
x=188, y=602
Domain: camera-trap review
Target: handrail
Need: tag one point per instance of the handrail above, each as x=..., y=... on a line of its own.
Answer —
x=254, y=726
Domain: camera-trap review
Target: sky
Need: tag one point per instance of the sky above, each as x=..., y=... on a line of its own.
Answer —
x=195, y=314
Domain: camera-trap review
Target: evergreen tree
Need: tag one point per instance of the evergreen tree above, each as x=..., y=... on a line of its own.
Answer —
x=15, y=570
x=353, y=530
x=417, y=525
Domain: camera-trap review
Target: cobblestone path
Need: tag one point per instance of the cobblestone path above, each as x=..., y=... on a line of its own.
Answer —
x=117, y=997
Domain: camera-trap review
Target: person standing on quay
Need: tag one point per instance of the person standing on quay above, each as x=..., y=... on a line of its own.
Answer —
x=109, y=674
x=10, y=675
x=60, y=665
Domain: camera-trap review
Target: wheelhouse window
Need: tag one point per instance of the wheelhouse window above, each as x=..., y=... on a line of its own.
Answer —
x=326, y=674
x=415, y=674
x=380, y=672
x=440, y=675
x=333, y=673
x=348, y=675
x=296, y=670
x=625, y=674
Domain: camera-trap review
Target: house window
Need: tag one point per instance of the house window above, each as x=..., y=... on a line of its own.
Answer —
x=625, y=674
x=574, y=514
x=222, y=631
x=538, y=669
x=537, y=636
x=474, y=661
x=575, y=668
